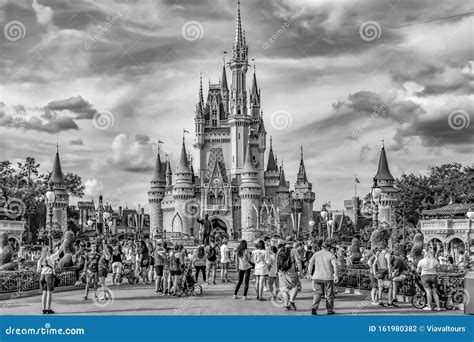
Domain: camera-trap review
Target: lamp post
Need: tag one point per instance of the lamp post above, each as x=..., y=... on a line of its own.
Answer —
x=375, y=194
x=312, y=223
x=106, y=215
x=324, y=216
x=50, y=199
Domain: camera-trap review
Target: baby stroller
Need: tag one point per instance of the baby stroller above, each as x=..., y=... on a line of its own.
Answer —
x=187, y=285
x=128, y=271
x=419, y=298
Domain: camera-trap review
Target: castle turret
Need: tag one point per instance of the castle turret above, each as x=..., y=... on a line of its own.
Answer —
x=304, y=196
x=385, y=181
x=183, y=194
x=284, y=204
x=250, y=193
x=169, y=174
x=225, y=91
x=155, y=197
x=271, y=174
x=58, y=184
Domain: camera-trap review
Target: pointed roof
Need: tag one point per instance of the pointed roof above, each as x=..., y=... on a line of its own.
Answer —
x=255, y=92
x=271, y=165
x=201, y=95
x=383, y=172
x=302, y=170
x=248, y=164
x=158, y=173
x=282, y=187
x=183, y=165
x=168, y=168
x=57, y=173
x=261, y=128
x=239, y=37
x=224, y=79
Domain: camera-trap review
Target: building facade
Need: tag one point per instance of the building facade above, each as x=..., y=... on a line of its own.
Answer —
x=227, y=178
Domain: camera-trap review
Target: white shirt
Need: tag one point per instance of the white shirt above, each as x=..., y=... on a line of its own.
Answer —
x=225, y=253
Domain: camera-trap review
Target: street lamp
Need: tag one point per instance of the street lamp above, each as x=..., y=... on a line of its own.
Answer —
x=50, y=198
x=375, y=194
x=106, y=216
x=470, y=214
x=330, y=224
x=324, y=216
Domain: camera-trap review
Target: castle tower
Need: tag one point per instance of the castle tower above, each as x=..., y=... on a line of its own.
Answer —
x=239, y=121
x=58, y=184
x=155, y=197
x=225, y=90
x=169, y=174
x=305, y=197
x=184, y=197
x=386, y=181
x=284, y=205
x=250, y=193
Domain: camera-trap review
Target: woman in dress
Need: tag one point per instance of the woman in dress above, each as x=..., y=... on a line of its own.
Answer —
x=244, y=267
x=45, y=267
x=199, y=262
x=261, y=260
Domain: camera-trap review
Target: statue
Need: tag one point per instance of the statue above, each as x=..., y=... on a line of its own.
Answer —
x=417, y=249
x=67, y=250
x=355, y=249
x=6, y=254
x=205, y=230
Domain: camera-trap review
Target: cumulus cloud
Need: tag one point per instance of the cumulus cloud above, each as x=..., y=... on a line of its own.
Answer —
x=44, y=14
x=131, y=154
x=93, y=188
x=76, y=142
x=76, y=105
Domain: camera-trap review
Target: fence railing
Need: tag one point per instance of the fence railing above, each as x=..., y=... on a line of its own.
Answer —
x=357, y=276
x=26, y=280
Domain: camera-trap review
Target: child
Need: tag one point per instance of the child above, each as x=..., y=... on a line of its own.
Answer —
x=273, y=272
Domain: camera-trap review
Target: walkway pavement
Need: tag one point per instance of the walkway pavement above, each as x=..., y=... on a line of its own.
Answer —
x=217, y=299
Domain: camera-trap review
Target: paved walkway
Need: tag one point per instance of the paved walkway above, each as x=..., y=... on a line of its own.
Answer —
x=217, y=299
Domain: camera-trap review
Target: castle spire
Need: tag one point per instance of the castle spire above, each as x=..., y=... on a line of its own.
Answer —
x=239, y=40
x=57, y=176
x=248, y=164
x=183, y=165
x=383, y=172
x=158, y=173
x=224, y=79
x=282, y=187
x=301, y=177
x=271, y=165
x=201, y=96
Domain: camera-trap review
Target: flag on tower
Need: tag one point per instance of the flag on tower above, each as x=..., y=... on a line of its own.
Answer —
x=357, y=180
x=185, y=131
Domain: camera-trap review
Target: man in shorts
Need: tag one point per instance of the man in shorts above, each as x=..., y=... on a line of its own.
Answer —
x=398, y=276
x=92, y=270
x=225, y=261
x=383, y=269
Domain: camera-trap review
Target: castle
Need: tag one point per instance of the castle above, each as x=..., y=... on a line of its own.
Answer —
x=227, y=178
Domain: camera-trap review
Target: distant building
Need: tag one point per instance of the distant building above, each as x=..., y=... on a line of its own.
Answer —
x=61, y=202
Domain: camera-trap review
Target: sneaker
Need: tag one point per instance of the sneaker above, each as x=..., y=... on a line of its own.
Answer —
x=292, y=306
x=244, y=298
x=213, y=283
x=374, y=303
x=287, y=307
x=314, y=312
x=84, y=298
x=381, y=304
x=45, y=312
x=234, y=297
x=266, y=289
x=438, y=309
x=50, y=312
x=395, y=300
x=427, y=308
x=331, y=313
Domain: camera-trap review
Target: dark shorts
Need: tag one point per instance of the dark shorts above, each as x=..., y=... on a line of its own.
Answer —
x=159, y=270
x=46, y=282
x=382, y=274
x=374, y=283
x=103, y=272
x=175, y=273
x=429, y=281
x=144, y=263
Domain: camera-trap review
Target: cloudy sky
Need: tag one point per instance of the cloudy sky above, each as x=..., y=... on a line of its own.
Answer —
x=336, y=77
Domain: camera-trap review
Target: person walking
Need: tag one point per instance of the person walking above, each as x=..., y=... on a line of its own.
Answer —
x=374, y=284
x=211, y=254
x=176, y=266
x=261, y=261
x=289, y=264
x=103, y=267
x=225, y=261
x=273, y=283
x=92, y=269
x=45, y=267
x=427, y=267
x=383, y=269
x=324, y=276
x=244, y=267
x=159, y=256
x=117, y=266
x=144, y=261
x=199, y=262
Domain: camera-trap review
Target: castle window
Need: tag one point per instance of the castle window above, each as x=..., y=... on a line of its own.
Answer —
x=214, y=123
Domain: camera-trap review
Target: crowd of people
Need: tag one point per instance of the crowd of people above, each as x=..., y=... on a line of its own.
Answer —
x=275, y=266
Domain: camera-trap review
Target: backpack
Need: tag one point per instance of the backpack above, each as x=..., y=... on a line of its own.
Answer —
x=211, y=254
x=284, y=260
x=174, y=262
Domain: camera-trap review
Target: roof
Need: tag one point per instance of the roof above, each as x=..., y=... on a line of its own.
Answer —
x=248, y=164
x=183, y=165
x=450, y=209
x=271, y=165
x=224, y=79
x=383, y=172
x=57, y=174
x=158, y=174
x=261, y=128
x=282, y=186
